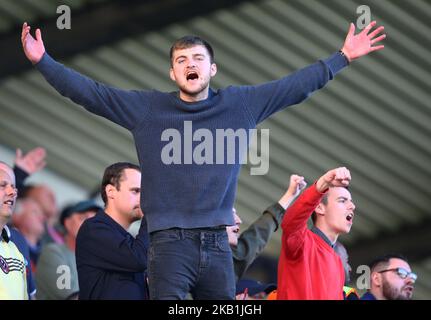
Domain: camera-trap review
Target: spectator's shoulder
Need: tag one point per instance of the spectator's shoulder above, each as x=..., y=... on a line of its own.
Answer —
x=51, y=248
x=15, y=235
x=51, y=252
x=95, y=224
x=100, y=217
x=86, y=226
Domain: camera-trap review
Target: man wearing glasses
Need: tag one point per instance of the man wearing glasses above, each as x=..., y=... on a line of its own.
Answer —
x=391, y=279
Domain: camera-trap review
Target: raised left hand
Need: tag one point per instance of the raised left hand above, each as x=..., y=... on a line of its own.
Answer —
x=356, y=46
x=32, y=161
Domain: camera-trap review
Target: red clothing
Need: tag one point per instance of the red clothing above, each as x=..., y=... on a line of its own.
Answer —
x=308, y=269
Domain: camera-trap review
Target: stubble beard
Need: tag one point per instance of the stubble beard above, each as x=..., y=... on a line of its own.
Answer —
x=392, y=293
x=194, y=93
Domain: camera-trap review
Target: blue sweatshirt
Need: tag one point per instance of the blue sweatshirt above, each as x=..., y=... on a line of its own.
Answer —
x=187, y=195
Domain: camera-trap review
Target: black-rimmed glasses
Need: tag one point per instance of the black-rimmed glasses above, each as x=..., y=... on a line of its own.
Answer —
x=403, y=273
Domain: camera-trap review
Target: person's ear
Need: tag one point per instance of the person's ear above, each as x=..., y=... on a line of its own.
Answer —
x=320, y=209
x=213, y=69
x=376, y=279
x=110, y=189
x=67, y=223
x=172, y=74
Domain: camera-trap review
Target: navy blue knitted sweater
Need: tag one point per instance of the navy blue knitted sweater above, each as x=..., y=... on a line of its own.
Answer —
x=187, y=195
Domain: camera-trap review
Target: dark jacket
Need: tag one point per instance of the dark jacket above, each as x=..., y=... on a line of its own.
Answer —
x=111, y=263
x=368, y=296
x=253, y=240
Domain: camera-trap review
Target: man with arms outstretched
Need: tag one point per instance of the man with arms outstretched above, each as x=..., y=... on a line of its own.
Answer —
x=189, y=205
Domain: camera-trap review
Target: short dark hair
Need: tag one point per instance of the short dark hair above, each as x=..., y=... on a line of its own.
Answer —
x=383, y=261
x=188, y=42
x=113, y=175
x=325, y=202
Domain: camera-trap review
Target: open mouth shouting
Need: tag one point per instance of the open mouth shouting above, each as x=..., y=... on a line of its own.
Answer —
x=236, y=231
x=192, y=76
x=349, y=217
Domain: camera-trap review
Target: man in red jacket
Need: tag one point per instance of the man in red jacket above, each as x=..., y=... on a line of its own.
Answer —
x=308, y=267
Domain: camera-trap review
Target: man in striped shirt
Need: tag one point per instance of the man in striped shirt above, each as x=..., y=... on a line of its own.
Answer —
x=13, y=284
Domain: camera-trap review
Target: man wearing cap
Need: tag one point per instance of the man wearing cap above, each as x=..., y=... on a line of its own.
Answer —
x=111, y=263
x=57, y=275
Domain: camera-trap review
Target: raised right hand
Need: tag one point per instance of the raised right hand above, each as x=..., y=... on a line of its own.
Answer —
x=339, y=177
x=33, y=48
x=296, y=185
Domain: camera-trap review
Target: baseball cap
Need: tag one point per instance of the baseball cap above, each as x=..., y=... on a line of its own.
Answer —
x=79, y=207
x=254, y=287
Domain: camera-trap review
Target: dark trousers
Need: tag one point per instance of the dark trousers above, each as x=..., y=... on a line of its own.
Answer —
x=196, y=261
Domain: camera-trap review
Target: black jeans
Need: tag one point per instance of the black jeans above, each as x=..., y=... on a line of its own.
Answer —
x=198, y=261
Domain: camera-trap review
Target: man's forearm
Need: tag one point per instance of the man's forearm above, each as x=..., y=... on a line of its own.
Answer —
x=20, y=177
x=120, y=106
x=253, y=240
x=68, y=82
x=300, y=211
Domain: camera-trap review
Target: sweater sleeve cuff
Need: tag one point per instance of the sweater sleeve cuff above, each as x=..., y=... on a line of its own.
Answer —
x=336, y=63
x=20, y=174
x=277, y=213
x=44, y=63
x=315, y=192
